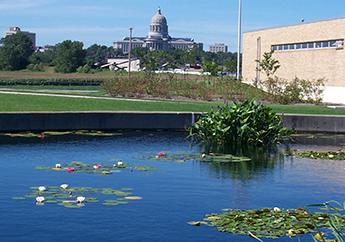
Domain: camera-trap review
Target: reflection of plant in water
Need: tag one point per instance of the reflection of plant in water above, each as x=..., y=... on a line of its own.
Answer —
x=261, y=160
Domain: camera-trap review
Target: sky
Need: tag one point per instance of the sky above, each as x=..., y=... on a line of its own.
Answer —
x=105, y=21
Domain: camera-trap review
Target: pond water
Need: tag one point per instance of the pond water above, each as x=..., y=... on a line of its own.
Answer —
x=173, y=194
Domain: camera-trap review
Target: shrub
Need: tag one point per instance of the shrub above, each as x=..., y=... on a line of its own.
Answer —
x=295, y=91
x=84, y=69
x=248, y=123
x=35, y=67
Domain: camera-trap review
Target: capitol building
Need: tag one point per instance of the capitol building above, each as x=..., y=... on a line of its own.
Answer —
x=158, y=38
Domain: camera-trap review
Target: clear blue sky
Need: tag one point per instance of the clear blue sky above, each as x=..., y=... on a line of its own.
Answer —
x=104, y=21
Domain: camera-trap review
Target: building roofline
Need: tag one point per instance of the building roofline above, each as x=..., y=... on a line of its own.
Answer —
x=293, y=25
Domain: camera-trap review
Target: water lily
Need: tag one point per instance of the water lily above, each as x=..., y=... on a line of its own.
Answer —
x=42, y=188
x=97, y=166
x=161, y=154
x=64, y=186
x=40, y=200
x=58, y=166
x=203, y=156
x=70, y=169
x=81, y=199
x=276, y=209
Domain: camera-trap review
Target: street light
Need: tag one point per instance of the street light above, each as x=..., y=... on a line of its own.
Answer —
x=129, y=52
x=239, y=40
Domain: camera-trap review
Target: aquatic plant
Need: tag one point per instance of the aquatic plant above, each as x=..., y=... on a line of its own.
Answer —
x=240, y=124
x=218, y=158
x=77, y=197
x=271, y=222
x=95, y=168
x=46, y=134
x=326, y=226
x=322, y=155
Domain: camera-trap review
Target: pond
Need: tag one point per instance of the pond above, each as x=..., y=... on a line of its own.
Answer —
x=173, y=193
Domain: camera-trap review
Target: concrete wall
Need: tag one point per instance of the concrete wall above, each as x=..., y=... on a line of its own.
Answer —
x=311, y=64
x=144, y=120
x=94, y=121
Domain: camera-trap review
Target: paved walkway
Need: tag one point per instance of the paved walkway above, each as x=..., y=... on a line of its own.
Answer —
x=77, y=96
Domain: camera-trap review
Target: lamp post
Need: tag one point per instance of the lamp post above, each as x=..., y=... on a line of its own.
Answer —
x=239, y=40
x=129, y=52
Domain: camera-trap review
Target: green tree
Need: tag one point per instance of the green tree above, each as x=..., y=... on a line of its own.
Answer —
x=211, y=67
x=268, y=64
x=100, y=54
x=15, y=52
x=46, y=58
x=69, y=56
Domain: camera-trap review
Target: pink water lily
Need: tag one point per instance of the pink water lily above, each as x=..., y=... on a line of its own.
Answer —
x=70, y=169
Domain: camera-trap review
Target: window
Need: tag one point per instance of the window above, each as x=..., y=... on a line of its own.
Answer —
x=318, y=45
x=308, y=45
x=292, y=47
x=325, y=44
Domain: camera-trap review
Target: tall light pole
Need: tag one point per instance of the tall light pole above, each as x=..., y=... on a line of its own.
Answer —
x=130, y=52
x=239, y=40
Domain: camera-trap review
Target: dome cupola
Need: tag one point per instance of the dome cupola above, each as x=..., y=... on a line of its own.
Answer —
x=159, y=26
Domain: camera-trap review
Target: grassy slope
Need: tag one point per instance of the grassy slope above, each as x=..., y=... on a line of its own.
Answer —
x=13, y=103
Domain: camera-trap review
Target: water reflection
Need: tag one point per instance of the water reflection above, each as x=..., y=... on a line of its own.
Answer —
x=262, y=163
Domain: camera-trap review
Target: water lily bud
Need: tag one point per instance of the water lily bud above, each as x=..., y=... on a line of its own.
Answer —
x=64, y=186
x=42, y=188
x=276, y=209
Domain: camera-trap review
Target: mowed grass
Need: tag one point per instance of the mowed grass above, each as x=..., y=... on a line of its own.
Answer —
x=50, y=74
x=27, y=103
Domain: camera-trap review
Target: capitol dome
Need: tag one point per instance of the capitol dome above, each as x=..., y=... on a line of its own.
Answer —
x=158, y=18
x=159, y=27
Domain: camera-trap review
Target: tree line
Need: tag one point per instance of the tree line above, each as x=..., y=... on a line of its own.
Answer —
x=17, y=53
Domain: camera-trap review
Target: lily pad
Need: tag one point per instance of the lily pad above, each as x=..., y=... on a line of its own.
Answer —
x=270, y=222
x=77, y=197
x=321, y=155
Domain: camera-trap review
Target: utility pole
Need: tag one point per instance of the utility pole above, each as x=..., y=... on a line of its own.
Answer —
x=129, y=52
x=239, y=43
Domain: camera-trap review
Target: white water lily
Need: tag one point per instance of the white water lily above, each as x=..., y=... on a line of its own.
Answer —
x=40, y=199
x=276, y=209
x=80, y=199
x=42, y=188
x=120, y=163
x=58, y=166
x=64, y=186
x=203, y=156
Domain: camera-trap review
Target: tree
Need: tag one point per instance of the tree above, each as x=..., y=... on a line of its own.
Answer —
x=100, y=54
x=15, y=52
x=211, y=67
x=268, y=64
x=46, y=58
x=69, y=56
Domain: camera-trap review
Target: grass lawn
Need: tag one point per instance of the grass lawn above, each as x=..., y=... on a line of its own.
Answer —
x=17, y=103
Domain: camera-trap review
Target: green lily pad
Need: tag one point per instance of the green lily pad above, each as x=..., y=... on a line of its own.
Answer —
x=270, y=222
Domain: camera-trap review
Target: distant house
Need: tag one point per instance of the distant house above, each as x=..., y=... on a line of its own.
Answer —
x=118, y=64
x=14, y=30
x=218, y=48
